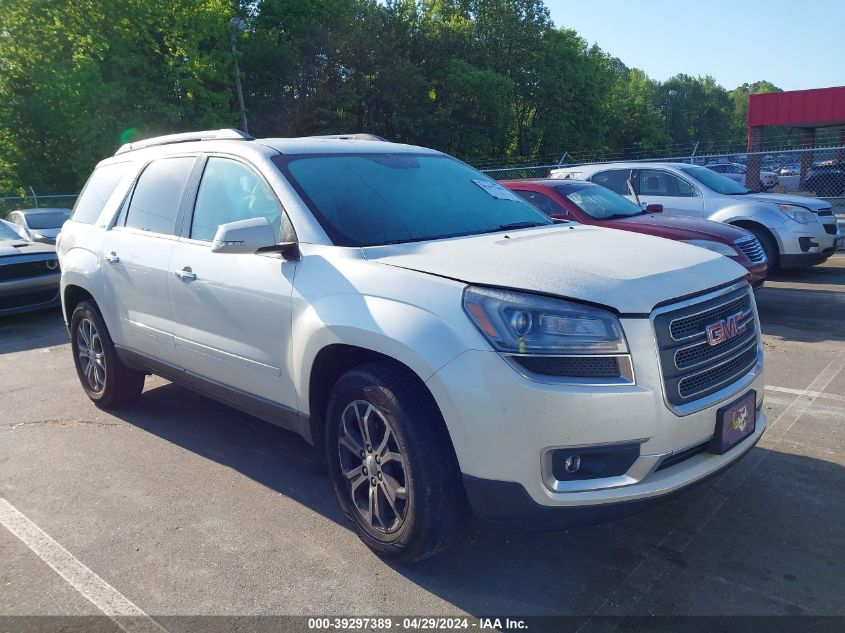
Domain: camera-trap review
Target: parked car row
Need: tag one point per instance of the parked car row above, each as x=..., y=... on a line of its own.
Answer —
x=452, y=348
x=739, y=174
x=794, y=231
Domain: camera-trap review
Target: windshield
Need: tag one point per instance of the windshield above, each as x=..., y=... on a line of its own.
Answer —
x=7, y=233
x=372, y=199
x=601, y=203
x=48, y=220
x=716, y=182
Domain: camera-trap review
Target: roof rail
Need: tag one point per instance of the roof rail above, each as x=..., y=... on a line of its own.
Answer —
x=359, y=136
x=230, y=134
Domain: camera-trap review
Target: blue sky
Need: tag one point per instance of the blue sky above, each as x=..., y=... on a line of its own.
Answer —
x=794, y=44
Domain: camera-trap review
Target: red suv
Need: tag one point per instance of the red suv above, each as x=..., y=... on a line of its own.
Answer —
x=589, y=203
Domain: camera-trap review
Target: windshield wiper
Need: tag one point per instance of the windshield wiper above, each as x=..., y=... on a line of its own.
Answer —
x=516, y=225
x=738, y=193
x=619, y=216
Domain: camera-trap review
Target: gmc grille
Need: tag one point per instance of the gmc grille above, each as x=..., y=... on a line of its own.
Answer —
x=692, y=367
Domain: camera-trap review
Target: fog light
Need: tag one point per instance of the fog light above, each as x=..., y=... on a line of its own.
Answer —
x=593, y=462
x=572, y=463
x=807, y=243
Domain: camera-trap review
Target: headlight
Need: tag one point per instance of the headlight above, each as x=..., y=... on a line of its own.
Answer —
x=521, y=323
x=799, y=214
x=716, y=247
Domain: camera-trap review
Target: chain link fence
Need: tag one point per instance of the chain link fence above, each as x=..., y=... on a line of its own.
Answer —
x=12, y=203
x=816, y=172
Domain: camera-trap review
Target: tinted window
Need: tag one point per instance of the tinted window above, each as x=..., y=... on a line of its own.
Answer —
x=542, y=202
x=97, y=191
x=231, y=191
x=614, y=179
x=369, y=199
x=158, y=195
x=655, y=182
x=716, y=182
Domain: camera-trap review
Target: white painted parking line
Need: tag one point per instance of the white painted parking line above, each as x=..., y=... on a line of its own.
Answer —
x=804, y=392
x=128, y=616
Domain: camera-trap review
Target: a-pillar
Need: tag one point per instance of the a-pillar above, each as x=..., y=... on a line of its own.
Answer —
x=754, y=159
x=808, y=140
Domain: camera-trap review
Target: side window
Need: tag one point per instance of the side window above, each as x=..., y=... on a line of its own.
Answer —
x=655, y=182
x=158, y=195
x=543, y=202
x=614, y=179
x=96, y=192
x=231, y=191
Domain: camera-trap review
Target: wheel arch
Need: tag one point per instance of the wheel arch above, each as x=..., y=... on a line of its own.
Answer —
x=329, y=364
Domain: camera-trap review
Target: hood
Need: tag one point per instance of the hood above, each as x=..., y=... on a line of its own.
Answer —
x=22, y=247
x=677, y=227
x=626, y=271
x=813, y=204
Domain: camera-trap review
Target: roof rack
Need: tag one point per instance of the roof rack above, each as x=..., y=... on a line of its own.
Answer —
x=358, y=136
x=229, y=134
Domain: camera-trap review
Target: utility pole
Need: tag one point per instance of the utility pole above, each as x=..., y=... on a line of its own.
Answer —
x=236, y=25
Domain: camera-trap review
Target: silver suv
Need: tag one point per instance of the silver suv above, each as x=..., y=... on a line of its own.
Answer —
x=450, y=346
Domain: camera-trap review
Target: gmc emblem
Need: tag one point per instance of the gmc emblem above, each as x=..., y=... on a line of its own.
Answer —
x=725, y=329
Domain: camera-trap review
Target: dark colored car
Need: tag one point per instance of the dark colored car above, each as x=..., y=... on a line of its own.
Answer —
x=826, y=180
x=29, y=274
x=589, y=203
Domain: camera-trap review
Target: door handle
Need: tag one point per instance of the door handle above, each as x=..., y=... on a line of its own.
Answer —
x=112, y=258
x=186, y=274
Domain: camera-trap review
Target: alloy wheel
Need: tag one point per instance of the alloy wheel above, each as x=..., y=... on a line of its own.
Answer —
x=373, y=467
x=92, y=360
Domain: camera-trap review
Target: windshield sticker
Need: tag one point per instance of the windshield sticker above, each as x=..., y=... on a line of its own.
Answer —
x=496, y=190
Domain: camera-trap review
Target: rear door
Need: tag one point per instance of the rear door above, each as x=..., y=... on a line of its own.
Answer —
x=677, y=195
x=136, y=255
x=232, y=312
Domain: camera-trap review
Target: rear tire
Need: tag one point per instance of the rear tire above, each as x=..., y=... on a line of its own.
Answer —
x=106, y=380
x=392, y=463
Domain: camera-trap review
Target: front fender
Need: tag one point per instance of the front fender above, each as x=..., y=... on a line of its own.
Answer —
x=80, y=267
x=414, y=336
x=759, y=213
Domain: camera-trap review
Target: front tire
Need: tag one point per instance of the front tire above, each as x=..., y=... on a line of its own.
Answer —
x=106, y=380
x=392, y=463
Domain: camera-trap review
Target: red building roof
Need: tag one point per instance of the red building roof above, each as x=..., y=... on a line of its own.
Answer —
x=820, y=107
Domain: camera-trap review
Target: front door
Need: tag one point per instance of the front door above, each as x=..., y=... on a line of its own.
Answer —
x=232, y=312
x=677, y=195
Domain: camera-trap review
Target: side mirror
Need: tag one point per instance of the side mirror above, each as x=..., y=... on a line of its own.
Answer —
x=254, y=235
x=654, y=208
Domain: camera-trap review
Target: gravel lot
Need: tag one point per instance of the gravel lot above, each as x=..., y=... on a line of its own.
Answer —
x=183, y=507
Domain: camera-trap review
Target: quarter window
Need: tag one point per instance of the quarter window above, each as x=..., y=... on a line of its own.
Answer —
x=655, y=182
x=97, y=191
x=158, y=195
x=231, y=191
x=614, y=179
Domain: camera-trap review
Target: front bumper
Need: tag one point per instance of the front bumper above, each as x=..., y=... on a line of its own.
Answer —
x=502, y=425
x=28, y=294
x=808, y=244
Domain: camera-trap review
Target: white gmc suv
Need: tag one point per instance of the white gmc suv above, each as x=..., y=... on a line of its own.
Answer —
x=450, y=347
